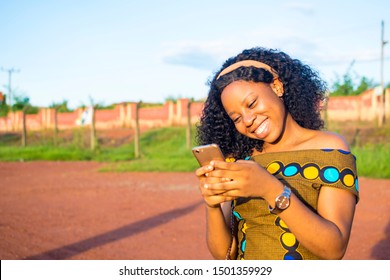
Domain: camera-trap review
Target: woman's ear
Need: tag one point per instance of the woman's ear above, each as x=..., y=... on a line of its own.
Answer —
x=277, y=87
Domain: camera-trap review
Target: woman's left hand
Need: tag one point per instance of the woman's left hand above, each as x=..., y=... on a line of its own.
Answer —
x=241, y=179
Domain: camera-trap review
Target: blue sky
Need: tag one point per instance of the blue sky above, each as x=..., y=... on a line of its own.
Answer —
x=116, y=51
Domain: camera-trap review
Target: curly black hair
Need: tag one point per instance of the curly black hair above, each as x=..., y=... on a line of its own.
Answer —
x=304, y=91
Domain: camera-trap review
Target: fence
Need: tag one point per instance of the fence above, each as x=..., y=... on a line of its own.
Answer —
x=122, y=115
x=346, y=108
x=364, y=107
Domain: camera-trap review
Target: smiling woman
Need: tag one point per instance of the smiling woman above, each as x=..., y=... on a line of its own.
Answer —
x=299, y=190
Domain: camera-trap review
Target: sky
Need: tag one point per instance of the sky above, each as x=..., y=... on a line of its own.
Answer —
x=107, y=52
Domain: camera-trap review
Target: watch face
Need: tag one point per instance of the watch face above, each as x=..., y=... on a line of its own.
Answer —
x=282, y=202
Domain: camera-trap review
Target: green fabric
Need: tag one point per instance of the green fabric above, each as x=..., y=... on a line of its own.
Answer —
x=262, y=235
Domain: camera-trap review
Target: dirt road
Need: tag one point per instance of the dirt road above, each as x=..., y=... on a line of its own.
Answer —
x=69, y=210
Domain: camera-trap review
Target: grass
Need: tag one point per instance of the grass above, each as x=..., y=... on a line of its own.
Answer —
x=373, y=160
x=164, y=150
x=14, y=153
x=161, y=150
x=370, y=144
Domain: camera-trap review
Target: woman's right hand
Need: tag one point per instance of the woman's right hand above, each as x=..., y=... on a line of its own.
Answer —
x=213, y=199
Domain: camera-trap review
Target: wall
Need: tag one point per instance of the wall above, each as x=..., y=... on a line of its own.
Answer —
x=351, y=108
x=363, y=107
x=122, y=115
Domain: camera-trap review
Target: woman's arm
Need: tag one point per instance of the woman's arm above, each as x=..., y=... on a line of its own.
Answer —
x=219, y=233
x=218, y=214
x=325, y=234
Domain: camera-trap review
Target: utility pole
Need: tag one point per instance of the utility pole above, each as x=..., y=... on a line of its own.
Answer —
x=189, y=125
x=382, y=112
x=10, y=72
x=137, y=152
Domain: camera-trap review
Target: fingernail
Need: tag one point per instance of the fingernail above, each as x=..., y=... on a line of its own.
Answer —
x=205, y=186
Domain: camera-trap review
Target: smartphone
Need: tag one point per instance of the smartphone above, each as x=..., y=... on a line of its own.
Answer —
x=206, y=153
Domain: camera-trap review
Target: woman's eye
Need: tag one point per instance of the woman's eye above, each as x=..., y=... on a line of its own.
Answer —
x=236, y=119
x=252, y=104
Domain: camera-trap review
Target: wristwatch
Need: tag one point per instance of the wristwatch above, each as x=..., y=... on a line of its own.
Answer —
x=282, y=202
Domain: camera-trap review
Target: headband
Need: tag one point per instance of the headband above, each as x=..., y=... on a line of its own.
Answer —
x=248, y=63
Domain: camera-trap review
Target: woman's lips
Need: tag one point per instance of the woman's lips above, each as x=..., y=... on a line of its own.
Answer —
x=262, y=129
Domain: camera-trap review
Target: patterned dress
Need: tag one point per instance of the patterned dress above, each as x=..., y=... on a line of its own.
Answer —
x=262, y=235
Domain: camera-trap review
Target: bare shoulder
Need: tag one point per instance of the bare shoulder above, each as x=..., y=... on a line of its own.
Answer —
x=331, y=140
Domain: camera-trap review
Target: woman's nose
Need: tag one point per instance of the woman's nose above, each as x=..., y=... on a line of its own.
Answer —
x=248, y=119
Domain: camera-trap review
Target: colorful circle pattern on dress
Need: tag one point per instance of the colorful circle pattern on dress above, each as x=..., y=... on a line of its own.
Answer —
x=288, y=241
x=311, y=171
x=243, y=230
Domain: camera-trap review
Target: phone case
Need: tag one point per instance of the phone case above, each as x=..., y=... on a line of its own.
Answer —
x=206, y=153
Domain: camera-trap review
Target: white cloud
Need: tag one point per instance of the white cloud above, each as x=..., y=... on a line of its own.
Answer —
x=301, y=7
x=195, y=54
x=191, y=57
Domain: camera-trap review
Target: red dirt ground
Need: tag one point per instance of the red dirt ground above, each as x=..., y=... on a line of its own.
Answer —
x=69, y=210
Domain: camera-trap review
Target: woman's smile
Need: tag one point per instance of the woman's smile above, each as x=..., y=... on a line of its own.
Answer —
x=262, y=130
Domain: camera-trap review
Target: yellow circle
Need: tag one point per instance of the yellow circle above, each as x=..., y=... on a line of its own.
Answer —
x=273, y=168
x=244, y=228
x=348, y=180
x=288, y=239
x=230, y=159
x=282, y=224
x=310, y=172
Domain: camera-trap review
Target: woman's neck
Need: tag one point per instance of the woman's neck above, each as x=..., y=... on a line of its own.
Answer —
x=292, y=138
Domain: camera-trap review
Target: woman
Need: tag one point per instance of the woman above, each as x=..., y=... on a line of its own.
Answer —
x=295, y=198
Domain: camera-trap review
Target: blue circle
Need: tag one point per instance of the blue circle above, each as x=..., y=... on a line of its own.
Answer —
x=288, y=257
x=290, y=170
x=237, y=215
x=243, y=246
x=357, y=184
x=292, y=255
x=344, y=152
x=331, y=174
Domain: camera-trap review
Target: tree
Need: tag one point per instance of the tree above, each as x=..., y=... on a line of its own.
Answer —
x=342, y=88
x=350, y=85
x=21, y=102
x=364, y=85
x=4, y=108
x=61, y=107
